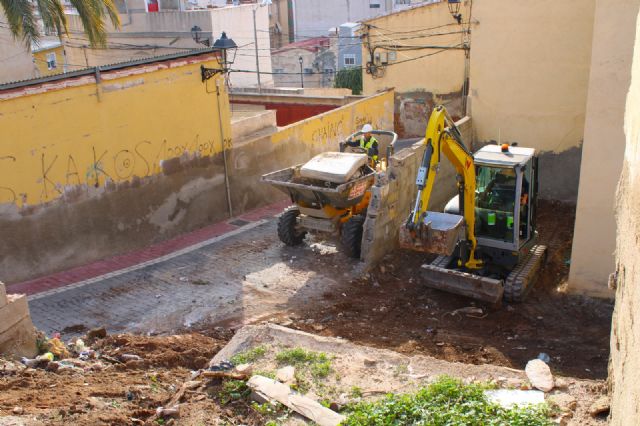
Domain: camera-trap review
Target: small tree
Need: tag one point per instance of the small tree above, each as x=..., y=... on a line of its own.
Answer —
x=349, y=78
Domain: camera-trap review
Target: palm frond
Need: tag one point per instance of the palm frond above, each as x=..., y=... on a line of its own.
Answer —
x=22, y=20
x=52, y=14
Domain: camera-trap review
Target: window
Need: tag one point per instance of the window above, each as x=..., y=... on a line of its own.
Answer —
x=391, y=56
x=374, y=4
x=403, y=2
x=328, y=71
x=278, y=70
x=52, y=62
x=495, y=196
x=349, y=59
x=308, y=70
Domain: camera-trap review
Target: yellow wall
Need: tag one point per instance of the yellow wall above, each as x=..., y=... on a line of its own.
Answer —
x=530, y=71
x=40, y=60
x=86, y=135
x=624, y=365
x=592, y=258
x=326, y=130
x=441, y=73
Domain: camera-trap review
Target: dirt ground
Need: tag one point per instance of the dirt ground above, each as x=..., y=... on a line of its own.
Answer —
x=387, y=308
x=112, y=392
x=390, y=309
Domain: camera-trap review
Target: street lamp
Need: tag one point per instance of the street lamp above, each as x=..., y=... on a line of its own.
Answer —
x=301, y=75
x=196, y=35
x=228, y=49
x=454, y=9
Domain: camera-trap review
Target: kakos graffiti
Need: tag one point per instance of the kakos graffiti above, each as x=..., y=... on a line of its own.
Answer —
x=58, y=172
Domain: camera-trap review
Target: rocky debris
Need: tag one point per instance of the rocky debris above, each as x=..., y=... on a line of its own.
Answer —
x=563, y=401
x=286, y=374
x=17, y=410
x=244, y=369
x=96, y=334
x=601, y=406
x=369, y=362
x=539, y=375
x=168, y=411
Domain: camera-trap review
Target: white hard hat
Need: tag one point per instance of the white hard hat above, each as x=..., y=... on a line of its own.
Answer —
x=367, y=128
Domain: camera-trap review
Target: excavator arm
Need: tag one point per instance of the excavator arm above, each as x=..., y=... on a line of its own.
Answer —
x=443, y=137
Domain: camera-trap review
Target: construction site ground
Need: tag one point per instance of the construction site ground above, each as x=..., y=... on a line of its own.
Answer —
x=182, y=310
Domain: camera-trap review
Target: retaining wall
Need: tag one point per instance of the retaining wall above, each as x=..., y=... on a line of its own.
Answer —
x=394, y=193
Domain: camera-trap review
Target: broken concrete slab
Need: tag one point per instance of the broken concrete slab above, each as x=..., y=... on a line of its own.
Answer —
x=283, y=394
x=17, y=334
x=539, y=375
x=509, y=397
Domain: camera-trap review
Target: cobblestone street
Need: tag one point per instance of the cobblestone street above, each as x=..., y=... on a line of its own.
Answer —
x=237, y=277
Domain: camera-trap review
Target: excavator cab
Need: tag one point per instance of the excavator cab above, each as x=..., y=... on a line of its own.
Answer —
x=506, y=184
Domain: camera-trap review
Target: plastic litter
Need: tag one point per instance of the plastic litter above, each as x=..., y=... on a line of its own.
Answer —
x=222, y=366
x=544, y=357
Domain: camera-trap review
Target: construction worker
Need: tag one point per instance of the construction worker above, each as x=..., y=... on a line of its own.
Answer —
x=367, y=142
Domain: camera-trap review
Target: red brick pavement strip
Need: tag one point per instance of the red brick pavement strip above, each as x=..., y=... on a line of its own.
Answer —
x=105, y=266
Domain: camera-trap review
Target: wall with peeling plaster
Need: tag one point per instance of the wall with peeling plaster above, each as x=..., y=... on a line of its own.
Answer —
x=421, y=77
x=94, y=170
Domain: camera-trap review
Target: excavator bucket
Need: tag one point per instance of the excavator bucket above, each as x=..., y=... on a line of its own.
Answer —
x=437, y=233
x=436, y=275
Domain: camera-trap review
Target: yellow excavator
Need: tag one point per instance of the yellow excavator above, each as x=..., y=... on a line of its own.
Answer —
x=486, y=237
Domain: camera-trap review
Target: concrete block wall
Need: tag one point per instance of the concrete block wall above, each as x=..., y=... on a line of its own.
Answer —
x=17, y=334
x=393, y=195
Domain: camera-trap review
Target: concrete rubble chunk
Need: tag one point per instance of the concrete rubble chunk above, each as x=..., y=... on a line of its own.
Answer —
x=307, y=407
x=564, y=401
x=602, y=405
x=510, y=397
x=539, y=375
x=286, y=374
x=17, y=334
x=244, y=369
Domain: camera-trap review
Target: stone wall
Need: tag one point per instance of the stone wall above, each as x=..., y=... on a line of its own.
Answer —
x=393, y=195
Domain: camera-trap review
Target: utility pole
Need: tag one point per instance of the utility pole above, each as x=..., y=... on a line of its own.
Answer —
x=255, y=38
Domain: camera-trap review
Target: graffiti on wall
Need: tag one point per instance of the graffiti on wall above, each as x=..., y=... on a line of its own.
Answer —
x=58, y=171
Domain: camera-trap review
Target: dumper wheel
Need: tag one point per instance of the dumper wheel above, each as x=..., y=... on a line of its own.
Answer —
x=352, y=236
x=288, y=230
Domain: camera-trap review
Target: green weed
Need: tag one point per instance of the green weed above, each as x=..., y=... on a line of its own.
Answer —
x=233, y=390
x=446, y=402
x=251, y=355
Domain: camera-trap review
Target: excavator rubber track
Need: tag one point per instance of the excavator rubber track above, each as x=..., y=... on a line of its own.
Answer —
x=514, y=288
x=437, y=275
x=519, y=281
